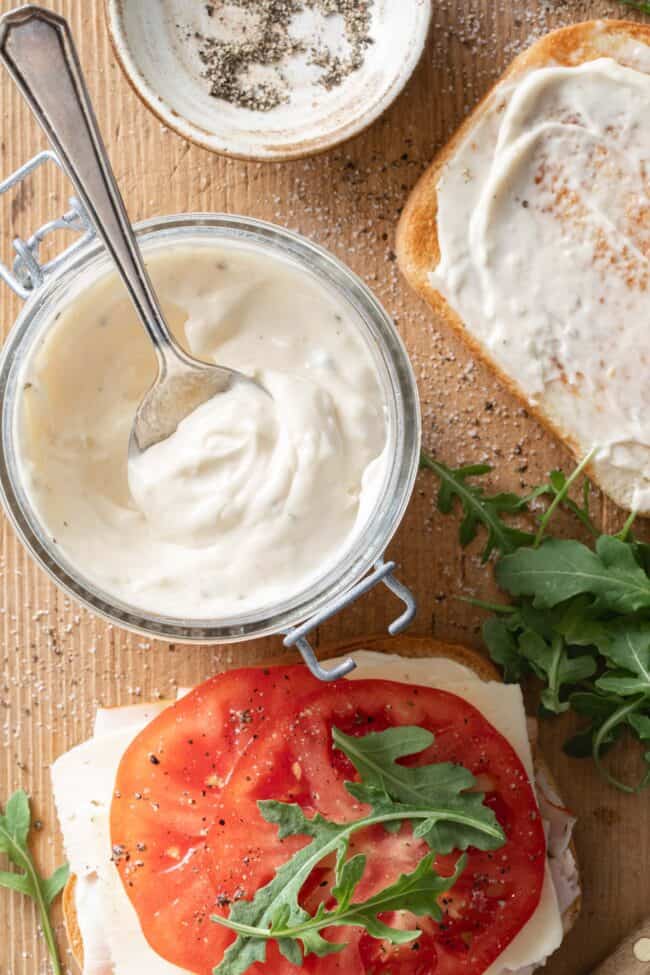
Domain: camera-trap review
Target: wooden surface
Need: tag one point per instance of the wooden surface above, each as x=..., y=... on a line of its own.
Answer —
x=58, y=662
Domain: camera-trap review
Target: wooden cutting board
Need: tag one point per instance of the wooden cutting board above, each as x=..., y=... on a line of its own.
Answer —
x=58, y=662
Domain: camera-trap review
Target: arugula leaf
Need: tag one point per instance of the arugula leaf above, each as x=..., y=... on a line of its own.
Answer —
x=560, y=569
x=545, y=622
x=642, y=5
x=641, y=724
x=641, y=552
x=627, y=647
x=503, y=649
x=552, y=663
x=348, y=875
x=15, y=825
x=417, y=892
x=619, y=682
x=581, y=745
x=610, y=729
x=579, y=624
x=275, y=906
x=432, y=797
x=533, y=641
x=463, y=819
x=599, y=707
x=478, y=507
x=560, y=485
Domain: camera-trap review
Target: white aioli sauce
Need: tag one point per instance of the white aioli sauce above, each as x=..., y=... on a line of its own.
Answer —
x=544, y=230
x=252, y=499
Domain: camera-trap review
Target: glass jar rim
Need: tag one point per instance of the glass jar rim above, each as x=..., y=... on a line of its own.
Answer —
x=364, y=550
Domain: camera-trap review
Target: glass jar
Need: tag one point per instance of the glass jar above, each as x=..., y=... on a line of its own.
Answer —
x=49, y=288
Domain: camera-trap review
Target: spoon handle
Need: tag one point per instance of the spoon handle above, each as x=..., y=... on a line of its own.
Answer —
x=37, y=47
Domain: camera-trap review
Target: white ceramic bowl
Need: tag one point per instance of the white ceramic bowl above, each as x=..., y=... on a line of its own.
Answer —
x=154, y=42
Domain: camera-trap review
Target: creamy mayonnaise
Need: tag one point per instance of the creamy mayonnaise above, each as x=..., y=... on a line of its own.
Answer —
x=544, y=230
x=254, y=497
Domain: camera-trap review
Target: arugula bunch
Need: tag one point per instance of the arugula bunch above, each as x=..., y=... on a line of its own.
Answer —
x=579, y=619
x=15, y=825
x=434, y=799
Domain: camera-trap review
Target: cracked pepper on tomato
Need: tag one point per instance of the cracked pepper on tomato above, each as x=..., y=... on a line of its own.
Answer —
x=190, y=840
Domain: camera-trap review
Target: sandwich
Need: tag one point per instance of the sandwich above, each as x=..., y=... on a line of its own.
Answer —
x=530, y=236
x=400, y=819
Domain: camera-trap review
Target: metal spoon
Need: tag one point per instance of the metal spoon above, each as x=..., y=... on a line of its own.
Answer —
x=37, y=47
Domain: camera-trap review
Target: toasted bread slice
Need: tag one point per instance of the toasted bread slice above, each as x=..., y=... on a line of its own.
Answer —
x=72, y=923
x=418, y=245
x=406, y=646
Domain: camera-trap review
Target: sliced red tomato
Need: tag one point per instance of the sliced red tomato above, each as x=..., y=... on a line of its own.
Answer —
x=189, y=840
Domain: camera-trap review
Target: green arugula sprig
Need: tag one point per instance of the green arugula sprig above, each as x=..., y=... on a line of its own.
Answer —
x=582, y=624
x=480, y=508
x=641, y=5
x=15, y=825
x=434, y=799
x=417, y=892
x=579, y=619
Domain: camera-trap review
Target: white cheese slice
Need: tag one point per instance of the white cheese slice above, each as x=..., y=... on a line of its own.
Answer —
x=134, y=716
x=83, y=781
x=426, y=671
x=83, y=784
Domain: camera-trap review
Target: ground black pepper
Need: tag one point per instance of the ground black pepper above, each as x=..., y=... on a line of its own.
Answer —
x=269, y=44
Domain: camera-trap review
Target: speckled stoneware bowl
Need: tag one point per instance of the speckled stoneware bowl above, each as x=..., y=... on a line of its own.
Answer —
x=159, y=44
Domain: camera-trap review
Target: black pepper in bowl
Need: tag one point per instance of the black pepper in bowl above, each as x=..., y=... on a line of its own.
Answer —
x=268, y=43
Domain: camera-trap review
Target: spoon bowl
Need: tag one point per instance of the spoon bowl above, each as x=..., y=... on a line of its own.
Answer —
x=178, y=390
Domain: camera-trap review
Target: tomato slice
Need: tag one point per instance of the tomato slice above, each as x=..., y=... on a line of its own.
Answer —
x=188, y=837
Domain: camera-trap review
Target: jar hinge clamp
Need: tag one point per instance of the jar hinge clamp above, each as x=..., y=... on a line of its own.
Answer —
x=27, y=273
x=382, y=572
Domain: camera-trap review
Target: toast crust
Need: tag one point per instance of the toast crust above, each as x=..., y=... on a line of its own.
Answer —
x=404, y=646
x=417, y=245
x=72, y=922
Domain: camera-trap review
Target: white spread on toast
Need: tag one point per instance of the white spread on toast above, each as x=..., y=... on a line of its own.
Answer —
x=83, y=781
x=544, y=233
